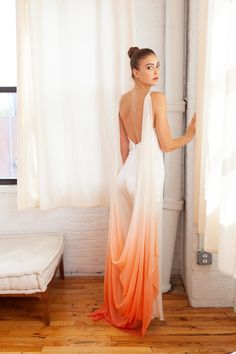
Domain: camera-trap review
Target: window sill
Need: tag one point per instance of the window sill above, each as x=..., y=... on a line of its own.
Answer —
x=7, y=189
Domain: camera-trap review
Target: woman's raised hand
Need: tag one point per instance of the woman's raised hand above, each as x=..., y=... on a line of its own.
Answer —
x=191, y=128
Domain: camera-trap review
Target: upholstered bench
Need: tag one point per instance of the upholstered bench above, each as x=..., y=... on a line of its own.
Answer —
x=28, y=264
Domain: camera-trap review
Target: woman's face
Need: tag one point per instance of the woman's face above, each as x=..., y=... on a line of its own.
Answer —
x=148, y=71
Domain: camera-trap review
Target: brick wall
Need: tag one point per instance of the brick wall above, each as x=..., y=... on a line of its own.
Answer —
x=85, y=230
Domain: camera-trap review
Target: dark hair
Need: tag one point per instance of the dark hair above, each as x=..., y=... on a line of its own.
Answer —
x=136, y=55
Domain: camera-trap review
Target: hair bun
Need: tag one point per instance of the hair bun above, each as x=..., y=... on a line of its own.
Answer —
x=132, y=50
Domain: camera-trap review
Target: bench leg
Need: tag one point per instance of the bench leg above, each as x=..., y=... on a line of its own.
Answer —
x=46, y=302
x=46, y=295
x=61, y=269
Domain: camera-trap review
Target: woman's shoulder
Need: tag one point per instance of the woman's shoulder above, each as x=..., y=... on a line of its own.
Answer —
x=158, y=95
x=125, y=96
x=158, y=100
x=123, y=103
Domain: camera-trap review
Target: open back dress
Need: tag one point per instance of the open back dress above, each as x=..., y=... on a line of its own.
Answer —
x=132, y=283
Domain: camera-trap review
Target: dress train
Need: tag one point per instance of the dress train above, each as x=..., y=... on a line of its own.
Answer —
x=132, y=283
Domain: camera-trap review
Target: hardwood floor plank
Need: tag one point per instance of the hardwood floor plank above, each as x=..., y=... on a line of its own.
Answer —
x=11, y=352
x=186, y=330
x=9, y=349
x=102, y=349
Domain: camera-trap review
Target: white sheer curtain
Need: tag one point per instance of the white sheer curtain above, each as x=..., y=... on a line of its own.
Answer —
x=72, y=68
x=215, y=196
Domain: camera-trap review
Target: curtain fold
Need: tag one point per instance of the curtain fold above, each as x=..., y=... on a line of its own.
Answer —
x=215, y=187
x=72, y=70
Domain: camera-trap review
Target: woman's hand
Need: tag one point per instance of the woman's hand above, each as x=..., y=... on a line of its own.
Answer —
x=191, y=129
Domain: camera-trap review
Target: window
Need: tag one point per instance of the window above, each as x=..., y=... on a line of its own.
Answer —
x=8, y=135
x=8, y=151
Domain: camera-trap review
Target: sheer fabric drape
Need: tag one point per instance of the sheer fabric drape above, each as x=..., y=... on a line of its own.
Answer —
x=72, y=69
x=132, y=283
x=215, y=196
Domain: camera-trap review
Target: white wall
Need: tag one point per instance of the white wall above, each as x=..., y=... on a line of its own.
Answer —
x=85, y=230
x=150, y=31
x=205, y=285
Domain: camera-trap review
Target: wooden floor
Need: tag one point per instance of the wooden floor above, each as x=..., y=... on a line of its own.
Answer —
x=185, y=329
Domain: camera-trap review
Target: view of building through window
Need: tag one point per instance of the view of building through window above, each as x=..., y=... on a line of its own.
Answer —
x=8, y=135
x=8, y=153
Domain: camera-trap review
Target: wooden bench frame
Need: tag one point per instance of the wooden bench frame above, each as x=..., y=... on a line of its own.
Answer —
x=45, y=296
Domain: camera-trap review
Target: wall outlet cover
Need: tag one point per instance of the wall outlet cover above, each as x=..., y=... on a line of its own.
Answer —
x=204, y=258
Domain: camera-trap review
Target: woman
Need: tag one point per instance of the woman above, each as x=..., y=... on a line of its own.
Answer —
x=132, y=289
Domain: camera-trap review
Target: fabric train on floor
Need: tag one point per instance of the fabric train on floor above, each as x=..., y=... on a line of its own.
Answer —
x=132, y=284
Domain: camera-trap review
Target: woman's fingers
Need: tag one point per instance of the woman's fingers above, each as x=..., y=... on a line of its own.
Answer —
x=194, y=118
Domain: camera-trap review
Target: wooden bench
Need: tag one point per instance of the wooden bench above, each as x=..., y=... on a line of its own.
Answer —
x=28, y=265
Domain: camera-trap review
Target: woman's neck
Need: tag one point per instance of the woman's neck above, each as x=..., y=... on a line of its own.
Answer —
x=141, y=89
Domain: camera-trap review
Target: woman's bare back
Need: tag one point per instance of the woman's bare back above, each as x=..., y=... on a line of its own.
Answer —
x=131, y=113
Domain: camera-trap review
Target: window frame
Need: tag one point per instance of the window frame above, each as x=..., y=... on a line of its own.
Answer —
x=8, y=181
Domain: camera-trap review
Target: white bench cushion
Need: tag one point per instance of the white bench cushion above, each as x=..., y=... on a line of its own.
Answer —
x=28, y=262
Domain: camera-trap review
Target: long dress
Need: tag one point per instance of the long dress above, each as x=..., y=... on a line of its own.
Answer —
x=132, y=283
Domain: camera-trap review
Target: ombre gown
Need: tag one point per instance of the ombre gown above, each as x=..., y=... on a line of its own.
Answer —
x=132, y=284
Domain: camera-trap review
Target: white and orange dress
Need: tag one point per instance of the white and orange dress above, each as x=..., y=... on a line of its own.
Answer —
x=132, y=284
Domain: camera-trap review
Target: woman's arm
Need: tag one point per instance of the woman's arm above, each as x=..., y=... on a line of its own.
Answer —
x=124, y=141
x=167, y=143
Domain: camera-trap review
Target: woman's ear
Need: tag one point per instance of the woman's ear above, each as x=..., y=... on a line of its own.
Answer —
x=135, y=73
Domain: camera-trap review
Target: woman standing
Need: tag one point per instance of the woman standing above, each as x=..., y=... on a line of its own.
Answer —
x=132, y=288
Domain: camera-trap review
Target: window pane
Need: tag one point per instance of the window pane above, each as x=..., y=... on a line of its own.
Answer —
x=8, y=157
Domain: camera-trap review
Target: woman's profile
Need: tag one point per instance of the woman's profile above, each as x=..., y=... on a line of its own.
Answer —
x=132, y=283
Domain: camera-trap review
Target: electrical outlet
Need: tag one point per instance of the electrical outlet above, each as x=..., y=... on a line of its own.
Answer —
x=204, y=258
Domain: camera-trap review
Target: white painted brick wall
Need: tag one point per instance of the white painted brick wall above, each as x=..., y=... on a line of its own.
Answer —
x=85, y=230
x=205, y=285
